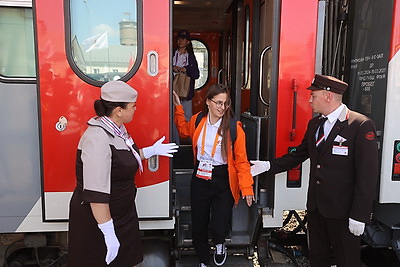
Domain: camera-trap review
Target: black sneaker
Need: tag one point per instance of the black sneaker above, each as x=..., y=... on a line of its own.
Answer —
x=220, y=254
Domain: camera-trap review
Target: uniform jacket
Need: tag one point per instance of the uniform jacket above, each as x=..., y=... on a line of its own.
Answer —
x=240, y=179
x=98, y=150
x=339, y=186
x=192, y=70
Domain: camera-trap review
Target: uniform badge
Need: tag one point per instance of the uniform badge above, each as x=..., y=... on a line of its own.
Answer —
x=370, y=136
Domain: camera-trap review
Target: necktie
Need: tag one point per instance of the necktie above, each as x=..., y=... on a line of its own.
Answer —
x=320, y=137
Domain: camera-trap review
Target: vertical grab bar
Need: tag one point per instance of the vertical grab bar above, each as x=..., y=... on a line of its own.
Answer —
x=294, y=88
x=261, y=75
x=219, y=77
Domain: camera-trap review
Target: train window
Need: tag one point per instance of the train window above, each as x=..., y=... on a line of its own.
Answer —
x=201, y=53
x=18, y=51
x=104, y=38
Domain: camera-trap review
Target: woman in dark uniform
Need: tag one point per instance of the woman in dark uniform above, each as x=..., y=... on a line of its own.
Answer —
x=103, y=222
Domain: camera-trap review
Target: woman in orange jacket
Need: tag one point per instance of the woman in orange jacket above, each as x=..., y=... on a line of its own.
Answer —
x=221, y=173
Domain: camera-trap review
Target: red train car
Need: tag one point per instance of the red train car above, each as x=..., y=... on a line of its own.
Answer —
x=56, y=54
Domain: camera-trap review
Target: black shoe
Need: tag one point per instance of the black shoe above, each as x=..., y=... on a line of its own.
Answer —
x=220, y=254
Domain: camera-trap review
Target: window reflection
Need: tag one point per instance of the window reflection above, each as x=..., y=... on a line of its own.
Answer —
x=16, y=30
x=104, y=37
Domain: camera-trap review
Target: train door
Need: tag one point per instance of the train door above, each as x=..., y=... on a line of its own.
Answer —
x=81, y=45
x=19, y=135
x=283, y=67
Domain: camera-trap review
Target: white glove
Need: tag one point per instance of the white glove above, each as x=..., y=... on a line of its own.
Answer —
x=110, y=239
x=356, y=227
x=160, y=149
x=259, y=166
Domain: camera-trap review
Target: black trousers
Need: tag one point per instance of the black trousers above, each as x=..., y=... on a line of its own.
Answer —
x=332, y=237
x=211, y=203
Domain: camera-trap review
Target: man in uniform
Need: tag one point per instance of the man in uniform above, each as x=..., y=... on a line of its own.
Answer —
x=343, y=151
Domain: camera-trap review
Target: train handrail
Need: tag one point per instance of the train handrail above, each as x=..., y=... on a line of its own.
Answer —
x=261, y=75
x=219, y=79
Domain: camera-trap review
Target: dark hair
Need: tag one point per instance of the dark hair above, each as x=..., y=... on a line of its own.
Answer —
x=105, y=108
x=189, y=47
x=223, y=129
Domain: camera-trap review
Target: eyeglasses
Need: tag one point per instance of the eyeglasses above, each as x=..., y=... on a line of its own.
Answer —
x=220, y=104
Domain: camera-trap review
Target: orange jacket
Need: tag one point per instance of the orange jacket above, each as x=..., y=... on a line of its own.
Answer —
x=240, y=178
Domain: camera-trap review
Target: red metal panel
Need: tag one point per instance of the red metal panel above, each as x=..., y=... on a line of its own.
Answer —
x=396, y=168
x=395, y=46
x=62, y=93
x=153, y=116
x=296, y=62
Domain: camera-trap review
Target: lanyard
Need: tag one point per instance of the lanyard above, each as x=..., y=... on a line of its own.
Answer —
x=177, y=55
x=203, y=141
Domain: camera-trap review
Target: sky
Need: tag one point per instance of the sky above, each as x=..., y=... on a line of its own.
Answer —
x=91, y=17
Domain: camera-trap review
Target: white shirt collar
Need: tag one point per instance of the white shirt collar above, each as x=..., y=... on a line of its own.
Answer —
x=217, y=124
x=334, y=115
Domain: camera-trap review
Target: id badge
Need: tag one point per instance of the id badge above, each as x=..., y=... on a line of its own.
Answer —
x=340, y=150
x=204, y=171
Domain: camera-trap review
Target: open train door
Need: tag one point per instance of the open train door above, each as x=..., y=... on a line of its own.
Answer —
x=283, y=36
x=80, y=46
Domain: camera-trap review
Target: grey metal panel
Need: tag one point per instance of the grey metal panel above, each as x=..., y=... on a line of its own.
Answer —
x=19, y=154
x=320, y=37
x=255, y=128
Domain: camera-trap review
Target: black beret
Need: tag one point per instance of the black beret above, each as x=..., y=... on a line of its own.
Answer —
x=184, y=34
x=323, y=82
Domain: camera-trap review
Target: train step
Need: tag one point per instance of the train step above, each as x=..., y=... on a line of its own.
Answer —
x=231, y=261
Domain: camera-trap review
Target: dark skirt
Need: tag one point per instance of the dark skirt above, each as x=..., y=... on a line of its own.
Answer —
x=86, y=246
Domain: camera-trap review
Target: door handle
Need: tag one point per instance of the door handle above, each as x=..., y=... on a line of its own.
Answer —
x=261, y=75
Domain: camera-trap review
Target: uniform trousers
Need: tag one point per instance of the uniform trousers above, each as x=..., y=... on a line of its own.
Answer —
x=211, y=202
x=332, y=235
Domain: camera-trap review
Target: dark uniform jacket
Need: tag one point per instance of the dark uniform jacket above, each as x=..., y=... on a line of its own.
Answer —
x=340, y=186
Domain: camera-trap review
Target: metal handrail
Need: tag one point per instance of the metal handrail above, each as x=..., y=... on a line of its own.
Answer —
x=261, y=74
x=219, y=77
